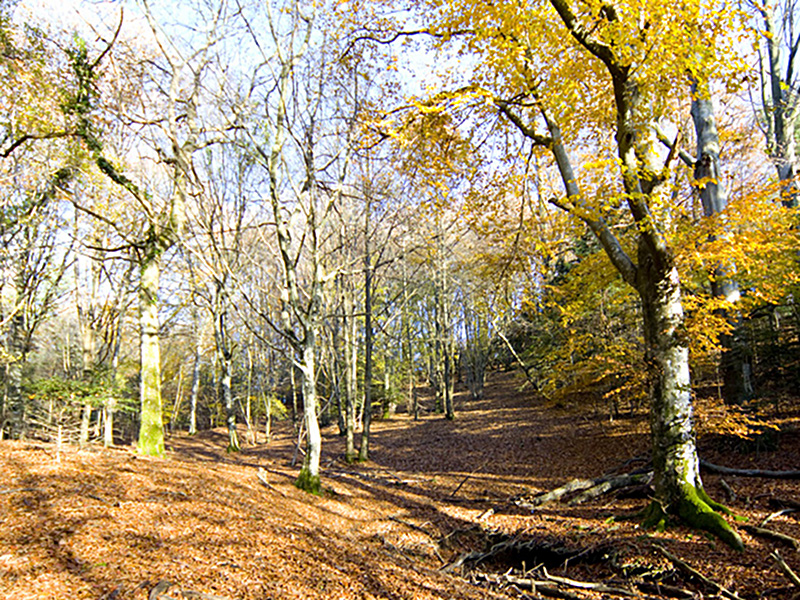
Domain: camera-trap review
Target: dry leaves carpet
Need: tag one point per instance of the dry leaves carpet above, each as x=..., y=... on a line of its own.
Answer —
x=109, y=524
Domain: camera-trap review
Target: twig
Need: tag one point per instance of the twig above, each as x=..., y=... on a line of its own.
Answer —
x=695, y=573
x=728, y=490
x=774, y=535
x=777, y=513
x=661, y=590
x=540, y=587
x=485, y=514
x=786, y=568
x=463, y=481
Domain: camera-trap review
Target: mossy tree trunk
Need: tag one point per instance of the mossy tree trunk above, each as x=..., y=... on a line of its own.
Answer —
x=676, y=467
x=151, y=430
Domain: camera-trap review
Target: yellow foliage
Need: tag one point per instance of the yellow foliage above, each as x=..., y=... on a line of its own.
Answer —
x=715, y=416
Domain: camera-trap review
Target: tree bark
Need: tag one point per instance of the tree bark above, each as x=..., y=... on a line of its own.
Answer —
x=363, y=452
x=151, y=430
x=737, y=384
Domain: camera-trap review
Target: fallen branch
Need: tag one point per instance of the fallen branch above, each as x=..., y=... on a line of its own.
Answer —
x=697, y=574
x=786, y=568
x=661, y=590
x=609, y=485
x=538, y=587
x=575, y=485
x=586, y=585
x=777, y=513
x=773, y=535
x=783, y=503
x=411, y=526
x=749, y=472
x=262, y=478
x=728, y=490
x=463, y=481
x=590, y=488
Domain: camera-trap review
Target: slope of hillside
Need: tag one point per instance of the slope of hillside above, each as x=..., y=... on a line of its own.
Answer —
x=108, y=524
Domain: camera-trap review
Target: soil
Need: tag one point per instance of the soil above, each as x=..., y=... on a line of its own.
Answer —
x=106, y=523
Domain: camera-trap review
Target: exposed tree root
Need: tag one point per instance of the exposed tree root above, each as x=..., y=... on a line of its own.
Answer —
x=308, y=483
x=749, y=472
x=697, y=510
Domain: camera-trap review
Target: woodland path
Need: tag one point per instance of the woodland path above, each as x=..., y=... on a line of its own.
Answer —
x=109, y=524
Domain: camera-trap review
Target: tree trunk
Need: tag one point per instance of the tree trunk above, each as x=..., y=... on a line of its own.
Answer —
x=308, y=479
x=350, y=370
x=151, y=430
x=195, y=389
x=678, y=488
x=363, y=452
x=735, y=367
x=782, y=116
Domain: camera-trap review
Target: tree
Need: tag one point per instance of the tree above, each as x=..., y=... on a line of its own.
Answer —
x=625, y=61
x=779, y=70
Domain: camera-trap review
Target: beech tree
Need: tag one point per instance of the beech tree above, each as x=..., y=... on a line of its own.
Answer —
x=779, y=70
x=545, y=59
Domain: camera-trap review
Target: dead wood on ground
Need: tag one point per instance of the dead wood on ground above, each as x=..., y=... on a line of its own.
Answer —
x=697, y=574
x=588, y=489
x=773, y=535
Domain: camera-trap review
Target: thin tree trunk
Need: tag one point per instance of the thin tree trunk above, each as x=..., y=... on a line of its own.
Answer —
x=195, y=389
x=350, y=370
x=308, y=479
x=363, y=452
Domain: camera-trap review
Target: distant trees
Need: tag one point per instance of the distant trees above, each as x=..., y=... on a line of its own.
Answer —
x=300, y=234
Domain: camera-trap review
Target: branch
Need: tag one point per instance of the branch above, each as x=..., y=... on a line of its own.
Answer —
x=695, y=573
x=786, y=568
x=113, y=40
x=578, y=31
x=34, y=136
x=537, y=138
x=673, y=147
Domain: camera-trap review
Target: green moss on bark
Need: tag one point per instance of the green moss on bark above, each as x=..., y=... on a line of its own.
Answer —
x=308, y=483
x=698, y=511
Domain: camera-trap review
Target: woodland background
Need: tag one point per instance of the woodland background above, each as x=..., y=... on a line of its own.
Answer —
x=219, y=213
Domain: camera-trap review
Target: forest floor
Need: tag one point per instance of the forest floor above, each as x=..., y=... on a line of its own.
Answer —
x=108, y=524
